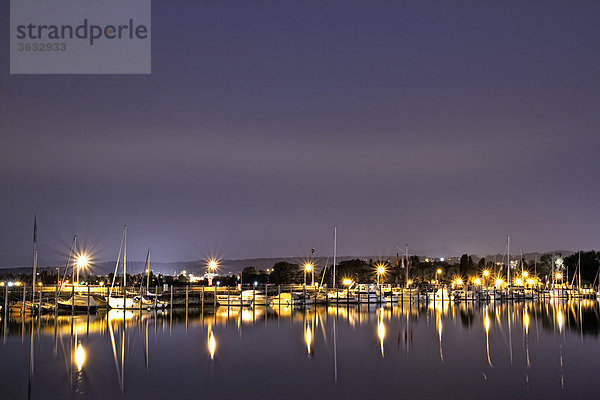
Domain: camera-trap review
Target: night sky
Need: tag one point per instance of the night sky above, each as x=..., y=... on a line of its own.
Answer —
x=446, y=125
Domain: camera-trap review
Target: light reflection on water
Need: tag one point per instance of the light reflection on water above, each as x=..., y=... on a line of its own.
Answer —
x=441, y=349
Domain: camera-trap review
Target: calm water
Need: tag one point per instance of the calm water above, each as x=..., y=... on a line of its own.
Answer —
x=525, y=350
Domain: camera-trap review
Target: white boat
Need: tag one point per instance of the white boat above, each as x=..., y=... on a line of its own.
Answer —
x=367, y=293
x=235, y=299
x=440, y=294
x=285, y=300
x=342, y=296
x=464, y=295
x=149, y=300
x=559, y=293
x=122, y=302
x=493, y=294
x=248, y=298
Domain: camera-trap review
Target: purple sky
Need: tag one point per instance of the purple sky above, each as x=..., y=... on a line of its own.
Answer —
x=265, y=123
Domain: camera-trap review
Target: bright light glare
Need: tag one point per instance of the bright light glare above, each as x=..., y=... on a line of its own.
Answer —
x=213, y=264
x=477, y=281
x=212, y=345
x=498, y=281
x=459, y=281
x=308, y=338
x=308, y=267
x=79, y=357
x=486, y=273
x=518, y=282
x=380, y=269
x=525, y=274
x=82, y=260
x=347, y=281
x=560, y=319
x=381, y=333
x=558, y=275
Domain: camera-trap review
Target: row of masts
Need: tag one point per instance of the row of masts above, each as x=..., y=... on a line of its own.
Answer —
x=123, y=253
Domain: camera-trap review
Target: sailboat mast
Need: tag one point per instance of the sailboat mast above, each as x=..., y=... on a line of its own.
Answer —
x=334, y=252
x=34, y=259
x=522, y=263
x=148, y=271
x=508, y=259
x=579, y=269
x=73, y=261
x=125, y=259
x=406, y=257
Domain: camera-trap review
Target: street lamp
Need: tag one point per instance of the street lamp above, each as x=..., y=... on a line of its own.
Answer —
x=380, y=271
x=308, y=267
x=81, y=262
x=437, y=274
x=518, y=282
x=212, y=265
x=558, y=276
x=486, y=274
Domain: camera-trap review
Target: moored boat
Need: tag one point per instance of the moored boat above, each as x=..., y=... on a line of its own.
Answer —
x=78, y=303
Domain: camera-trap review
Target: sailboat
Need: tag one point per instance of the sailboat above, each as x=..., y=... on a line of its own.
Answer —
x=122, y=302
x=149, y=300
x=24, y=306
x=77, y=302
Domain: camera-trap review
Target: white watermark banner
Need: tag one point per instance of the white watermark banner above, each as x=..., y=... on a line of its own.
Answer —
x=80, y=36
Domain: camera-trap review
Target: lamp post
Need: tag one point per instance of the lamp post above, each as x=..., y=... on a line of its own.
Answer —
x=212, y=267
x=380, y=271
x=559, y=276
x=82, y=262
x=437, y=276
x=486, y=274
x=308, y=267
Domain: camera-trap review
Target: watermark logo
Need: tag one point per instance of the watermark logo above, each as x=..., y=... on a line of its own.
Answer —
x=80, y=37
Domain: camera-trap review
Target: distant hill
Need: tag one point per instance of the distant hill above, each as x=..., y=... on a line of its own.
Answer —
x=235, y=266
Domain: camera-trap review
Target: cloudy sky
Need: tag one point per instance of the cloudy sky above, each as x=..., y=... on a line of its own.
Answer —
x=266, y=123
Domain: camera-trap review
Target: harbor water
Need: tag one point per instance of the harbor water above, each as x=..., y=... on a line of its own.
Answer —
x=545, y=349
